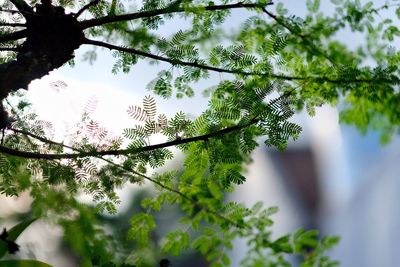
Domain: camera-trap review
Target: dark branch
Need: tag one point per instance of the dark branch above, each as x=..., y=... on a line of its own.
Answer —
x=9, y=49
x=22, y=7
x=12, y=11
x=129, y=170
x=182, y=195
x=6, y=24
x=184, y=63
x=42, y=139
x=13, y=36
x=173, y=8
x=47, y=141
x=240, y=72
x=309, y=44
x=85, y=7
x=205, y=137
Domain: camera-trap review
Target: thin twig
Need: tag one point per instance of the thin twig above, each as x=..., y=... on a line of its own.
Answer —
x=25, y=9
x=15, y=49
x=184, y=63
x=85, y=7
x=240, y=72
x=7, y=24
x=12, y=11
x=182, y=195
x=308, y=44
x=168, y=10
x=154, y=181
x=82, y=154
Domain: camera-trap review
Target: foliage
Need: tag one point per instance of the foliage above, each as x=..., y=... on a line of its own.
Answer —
x=272, y=66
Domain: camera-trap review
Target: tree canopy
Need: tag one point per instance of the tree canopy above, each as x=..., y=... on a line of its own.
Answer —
x=272, y=65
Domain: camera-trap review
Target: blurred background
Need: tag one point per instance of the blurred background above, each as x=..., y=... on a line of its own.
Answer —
x=333, y=178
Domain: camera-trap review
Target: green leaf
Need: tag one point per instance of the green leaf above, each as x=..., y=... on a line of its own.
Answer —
x=176, y=241
x=202, y=243
x=312, y=6
x=282, y=245
x=142, y=225
x=233, y=176
x=272, y=210
x=225, y=259
x=330, y=241
x=216, y=264
x=112, y=8
x=280, y=9
x=215, y=190
x=257, y=207
x=304, y=240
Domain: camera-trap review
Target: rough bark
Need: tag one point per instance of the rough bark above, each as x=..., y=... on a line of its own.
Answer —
x=51, y=38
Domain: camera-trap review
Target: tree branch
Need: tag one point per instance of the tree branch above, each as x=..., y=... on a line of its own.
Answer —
x=176, y=191
x=6, y=24
x=9, y=49
x=182, y=195
x=309, y=45
x=168, y=10
x=184, y=63
x=42, y=139
x=85, y=7
x=152, y=180
x=12, y=11
x=82, y=154
x=240, y=72
x=22, y=7
x=13, y=36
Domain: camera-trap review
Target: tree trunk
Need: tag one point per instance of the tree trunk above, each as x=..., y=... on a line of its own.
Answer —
x=51, y=38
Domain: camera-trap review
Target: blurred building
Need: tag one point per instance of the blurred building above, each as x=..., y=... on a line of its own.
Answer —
x=302, y=181
x=334, y=180
x=369, y=222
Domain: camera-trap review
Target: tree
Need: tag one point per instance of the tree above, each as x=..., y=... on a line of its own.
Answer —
x=299, y=60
